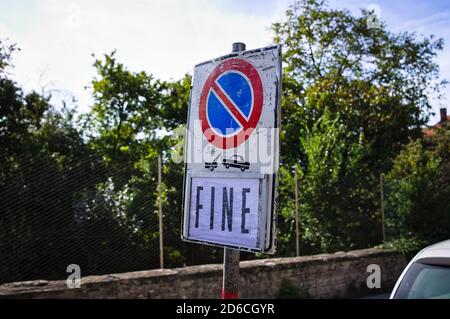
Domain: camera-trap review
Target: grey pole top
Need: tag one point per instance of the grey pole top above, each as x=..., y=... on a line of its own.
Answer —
x=238, y=46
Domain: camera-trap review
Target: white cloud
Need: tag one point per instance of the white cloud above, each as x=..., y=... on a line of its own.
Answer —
x=165, y=38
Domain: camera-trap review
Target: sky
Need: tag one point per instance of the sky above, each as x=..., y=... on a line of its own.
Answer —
x=166, y=37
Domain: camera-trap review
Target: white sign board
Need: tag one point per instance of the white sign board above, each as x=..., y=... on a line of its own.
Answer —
x=225, y=210
x=232, y=150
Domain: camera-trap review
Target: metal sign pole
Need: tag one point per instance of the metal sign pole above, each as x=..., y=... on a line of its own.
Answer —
x=230, y=273
x=231, y=257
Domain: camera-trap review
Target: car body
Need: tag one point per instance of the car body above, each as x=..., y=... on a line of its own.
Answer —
x=427, y=276
x=236, y=161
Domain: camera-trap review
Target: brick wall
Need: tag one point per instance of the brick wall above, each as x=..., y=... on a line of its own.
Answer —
x=339, y=275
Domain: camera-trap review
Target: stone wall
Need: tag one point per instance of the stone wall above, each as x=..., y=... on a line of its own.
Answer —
x=339, y=275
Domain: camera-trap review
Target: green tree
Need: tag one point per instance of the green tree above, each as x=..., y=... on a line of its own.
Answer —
x=43, y=166
x=418, y=191
x=130, y=124
x=376, y=85
x=122, y=129
x=127, y=108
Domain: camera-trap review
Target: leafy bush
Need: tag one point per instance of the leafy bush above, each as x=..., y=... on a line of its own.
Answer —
x=418, y=192
x=406, y=246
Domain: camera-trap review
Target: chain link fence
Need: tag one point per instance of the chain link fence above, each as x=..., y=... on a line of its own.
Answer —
x=103, y=218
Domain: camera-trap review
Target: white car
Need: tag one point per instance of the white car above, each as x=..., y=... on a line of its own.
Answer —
x=427, y=276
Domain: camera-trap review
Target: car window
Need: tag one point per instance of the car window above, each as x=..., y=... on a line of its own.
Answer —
x=425, y=282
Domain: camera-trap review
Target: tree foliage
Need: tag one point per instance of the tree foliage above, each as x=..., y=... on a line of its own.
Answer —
x=83, y=187
x=418, y=205
x=352, y=98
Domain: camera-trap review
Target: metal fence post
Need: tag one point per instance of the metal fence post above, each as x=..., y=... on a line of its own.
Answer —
x=297, y=230
x=382, y=206
x=160, y=213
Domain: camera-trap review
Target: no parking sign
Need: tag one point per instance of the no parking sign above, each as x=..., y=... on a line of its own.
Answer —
x=232, y=150
x=231, y=103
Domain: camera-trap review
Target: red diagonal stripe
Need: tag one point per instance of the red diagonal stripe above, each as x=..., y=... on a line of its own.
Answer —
x=229, y=104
